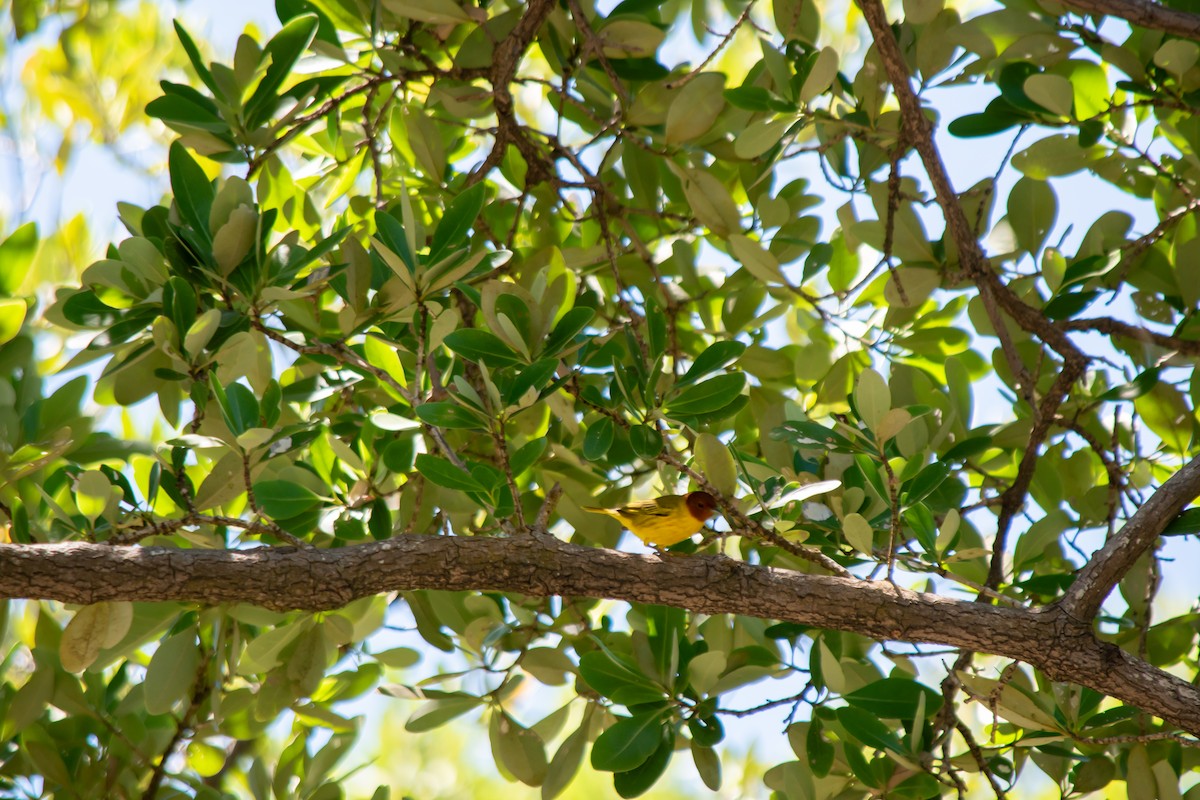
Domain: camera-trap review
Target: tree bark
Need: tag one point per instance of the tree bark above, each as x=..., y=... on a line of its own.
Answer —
x=1144, y=14
x=1064, y=648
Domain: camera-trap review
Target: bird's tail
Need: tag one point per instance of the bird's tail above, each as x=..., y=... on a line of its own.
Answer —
x=598, y=510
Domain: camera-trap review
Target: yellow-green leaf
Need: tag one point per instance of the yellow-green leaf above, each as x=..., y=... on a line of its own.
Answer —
x=631, y=38
x=758, y=261
x=823, y=71
x=858, y=533
x=894, y=421
x=383, y=355
x=436, y=12
x=1177, y=55
x=171, y=672
x=1051, y=92
x=93, y=493
x=202, y=330
x=872, y=398
x=85, y=635
x=695, y=108
x=235, y=238
x=715, y=463
x=12, y=315
x=710, y=200
x=759, y=137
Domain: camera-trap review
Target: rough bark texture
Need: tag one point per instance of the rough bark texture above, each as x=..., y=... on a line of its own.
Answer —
x=1144, y=14
x=288, y=578
x=1110, y=563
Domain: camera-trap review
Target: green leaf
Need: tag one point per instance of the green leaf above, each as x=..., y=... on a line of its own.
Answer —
x=12, y=316
x=526, y=456
x=1083, y=270
x=262, y=652
x=448, y=414
x=93, y=491
x=717, y=355
x=695, y=108
x=628, y=742
x=925, y=482
x=756, y=98
x=715, y=462
x=171, y=672
x=565, y=764
x=193, y=54
x=866, y=728
x=708, y=765
x=238, y=405
x=1089, y=82
x=1164, y=411
x=193, y=191
x=436, y=713
x=646, y=441
x=1065, y=306
x=820, y=75
x=380, y=523
x=280, y=54
x=392, y=234
x=434, y=12
x=86, y=310
x=598, y=439
x=638, y=780
x=820, y=751
x=757, y=260
x=1186, y=523
x=441, y=472
x=93, y=628
x=809, y=434
x=999, y=116
x=1053, y=156
x=185, y=113
x=179, y=303
x=481, y=346
x=1032, y=211
x=617, y=680
x=921, y=786
x=711, y=395
x=535, y=376
x=894, y=698
x=858, y=533
x=457, y=220
x=284, y=499
x=518, y=748
x=710, y=200
x=567, y=329
x=1093, y=775
x=1051, y=92
x=872, y=398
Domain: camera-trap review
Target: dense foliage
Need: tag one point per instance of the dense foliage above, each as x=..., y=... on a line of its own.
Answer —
x=437, y=271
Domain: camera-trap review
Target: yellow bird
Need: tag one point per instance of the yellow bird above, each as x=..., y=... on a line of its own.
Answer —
x=665, y=521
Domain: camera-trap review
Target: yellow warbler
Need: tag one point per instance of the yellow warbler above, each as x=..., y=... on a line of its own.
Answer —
x=665, y=521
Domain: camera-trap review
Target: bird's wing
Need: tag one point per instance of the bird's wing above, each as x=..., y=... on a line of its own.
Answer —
x=662, y=507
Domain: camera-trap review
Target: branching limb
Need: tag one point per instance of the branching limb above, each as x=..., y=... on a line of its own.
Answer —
x=1110, y=563
x=1145, y=14
x=322, y=579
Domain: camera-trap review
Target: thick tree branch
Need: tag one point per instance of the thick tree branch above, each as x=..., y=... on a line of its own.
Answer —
x=1110, y=563
x=1144, y=14
x=289, y=578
